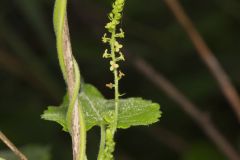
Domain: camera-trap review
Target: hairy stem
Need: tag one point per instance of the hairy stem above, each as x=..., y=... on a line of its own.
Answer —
x=116, y=88
x=75, y=116
x=114, y=17
x=71, y=74
x=102, y=142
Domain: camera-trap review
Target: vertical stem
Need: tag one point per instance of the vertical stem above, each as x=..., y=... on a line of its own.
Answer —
x=116, y=99
x=75, y=112
x=114, y=17
x=71, y=74
x=102, y=142
x=116, y=89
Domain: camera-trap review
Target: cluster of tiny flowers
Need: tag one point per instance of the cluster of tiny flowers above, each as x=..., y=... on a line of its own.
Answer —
x=115, y=53
x=115, y=16
x=110, y=144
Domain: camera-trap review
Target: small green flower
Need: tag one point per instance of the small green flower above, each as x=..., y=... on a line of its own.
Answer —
x=106, y=54
x=121, y=57
x=117, y=46
x=111, y=16
x=113, y=65
x=116, y=55
x=112, y=25
x=121, y=34
x=105, y=39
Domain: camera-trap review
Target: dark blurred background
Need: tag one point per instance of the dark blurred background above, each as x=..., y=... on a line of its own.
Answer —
x=30, y=78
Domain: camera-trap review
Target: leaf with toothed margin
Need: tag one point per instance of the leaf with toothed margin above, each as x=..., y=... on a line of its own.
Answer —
x=57, y=114
x=86, y=97
x=132, y=111
x=136, y=112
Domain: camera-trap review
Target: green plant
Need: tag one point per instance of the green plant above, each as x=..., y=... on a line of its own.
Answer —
x=93, y=108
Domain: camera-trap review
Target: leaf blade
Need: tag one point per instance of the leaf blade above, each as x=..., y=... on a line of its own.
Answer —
x=132, y=111
x=136, y=112
x=56, y=114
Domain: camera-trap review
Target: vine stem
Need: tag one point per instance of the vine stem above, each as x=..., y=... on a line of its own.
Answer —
x=75, y=112
x=12, y=147
x=71, y=74
x=102, y=142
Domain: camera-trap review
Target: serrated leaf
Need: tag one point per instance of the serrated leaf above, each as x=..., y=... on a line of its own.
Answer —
x=137, y=111
x=132, y=111
x=56, y=114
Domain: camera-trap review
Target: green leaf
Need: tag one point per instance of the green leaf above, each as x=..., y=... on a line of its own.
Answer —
x=137, y=111
x=98, y=110
x=91, y=91
x=132, y=111
x=92, y=102
x=57, y=113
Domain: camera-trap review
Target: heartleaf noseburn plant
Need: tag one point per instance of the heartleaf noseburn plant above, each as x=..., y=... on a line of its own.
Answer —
x=94, y=109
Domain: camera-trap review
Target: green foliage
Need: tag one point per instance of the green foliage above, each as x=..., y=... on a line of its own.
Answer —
x=57, y=114
x=94, y=109
x=137, y=111
x=150, y=30
x=98, y=110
